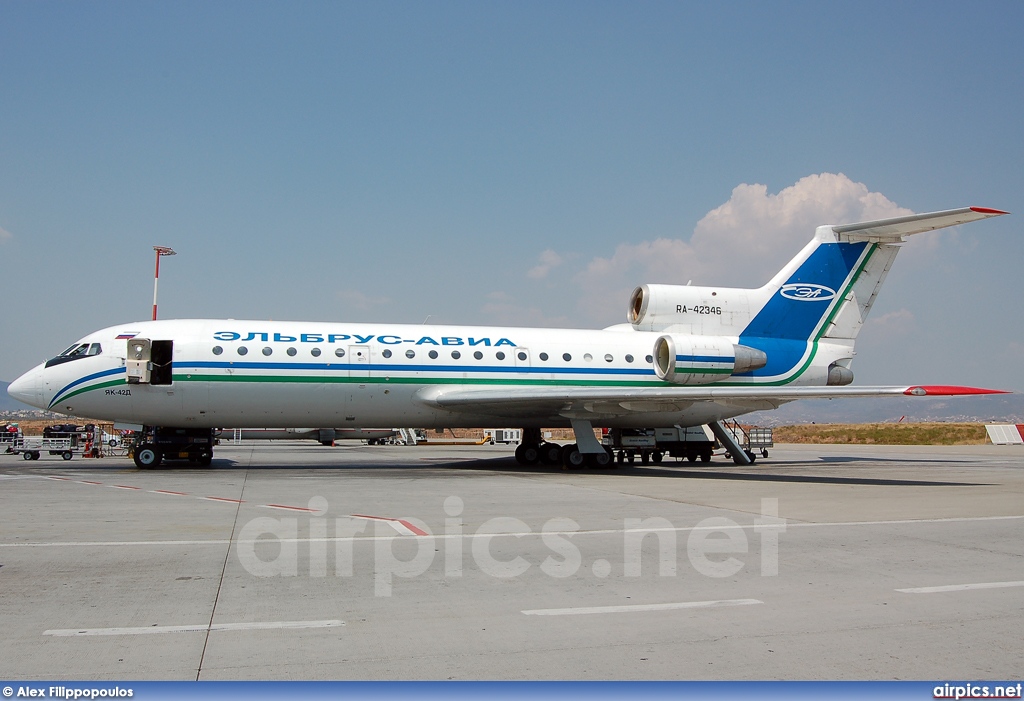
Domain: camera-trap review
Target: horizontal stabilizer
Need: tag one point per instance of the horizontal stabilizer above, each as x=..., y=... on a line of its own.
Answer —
x=893, y=230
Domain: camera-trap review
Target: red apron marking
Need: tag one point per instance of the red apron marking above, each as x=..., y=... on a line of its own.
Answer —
x=411, y=528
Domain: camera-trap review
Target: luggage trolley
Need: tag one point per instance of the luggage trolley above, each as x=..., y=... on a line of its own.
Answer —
x=31, y=447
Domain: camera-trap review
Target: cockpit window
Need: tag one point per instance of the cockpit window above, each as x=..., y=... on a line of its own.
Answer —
x=76, y=351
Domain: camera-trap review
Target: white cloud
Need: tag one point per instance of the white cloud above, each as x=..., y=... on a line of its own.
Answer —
x=741, y=243
x=5, y=235
x=548, y=259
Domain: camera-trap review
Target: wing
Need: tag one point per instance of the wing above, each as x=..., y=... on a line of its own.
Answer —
x=595, y=403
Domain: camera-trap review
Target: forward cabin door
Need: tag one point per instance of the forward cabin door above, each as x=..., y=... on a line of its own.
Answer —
x=360, y=391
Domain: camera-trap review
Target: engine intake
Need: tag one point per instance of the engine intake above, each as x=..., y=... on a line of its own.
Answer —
x=701, y=360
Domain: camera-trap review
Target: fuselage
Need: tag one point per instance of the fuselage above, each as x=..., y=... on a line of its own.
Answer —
x=231, y=373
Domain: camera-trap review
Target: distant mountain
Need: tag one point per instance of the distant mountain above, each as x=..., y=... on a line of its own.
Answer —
x=1002, y=408
x=9, y=403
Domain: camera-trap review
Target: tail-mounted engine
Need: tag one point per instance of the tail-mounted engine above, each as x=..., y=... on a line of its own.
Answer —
x=701, y=360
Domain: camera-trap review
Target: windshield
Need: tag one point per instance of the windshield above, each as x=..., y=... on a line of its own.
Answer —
x=76, y=351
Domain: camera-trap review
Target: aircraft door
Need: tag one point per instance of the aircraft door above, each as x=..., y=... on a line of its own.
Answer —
x=162, y=357
x=137, y=363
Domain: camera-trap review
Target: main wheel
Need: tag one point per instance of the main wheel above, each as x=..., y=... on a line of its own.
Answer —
x=550, y=453
x=147, y=455
x=527, y=454
x=572, y=458
x=598, y=460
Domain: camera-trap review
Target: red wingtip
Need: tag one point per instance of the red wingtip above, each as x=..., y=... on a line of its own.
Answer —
x=987, y=210
x=949, y=390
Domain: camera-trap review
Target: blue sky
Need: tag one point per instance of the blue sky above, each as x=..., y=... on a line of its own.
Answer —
x=504, y=163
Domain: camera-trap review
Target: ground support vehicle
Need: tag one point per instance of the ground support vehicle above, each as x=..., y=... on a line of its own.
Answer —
x=760, y=439
x=154, y=444
x=752, y=439
x=653, y=444
x=31, y=447
x=503, y=435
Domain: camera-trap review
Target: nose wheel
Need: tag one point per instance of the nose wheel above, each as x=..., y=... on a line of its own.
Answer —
x=147, y=455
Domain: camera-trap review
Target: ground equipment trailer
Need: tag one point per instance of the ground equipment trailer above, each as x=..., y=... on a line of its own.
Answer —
x=653, y=444
x=31, y=447
x=752, y=439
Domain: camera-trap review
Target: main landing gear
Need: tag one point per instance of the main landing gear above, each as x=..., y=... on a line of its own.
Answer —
x=534, y=450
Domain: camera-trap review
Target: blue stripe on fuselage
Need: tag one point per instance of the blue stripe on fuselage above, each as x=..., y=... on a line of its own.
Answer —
x=80, y=380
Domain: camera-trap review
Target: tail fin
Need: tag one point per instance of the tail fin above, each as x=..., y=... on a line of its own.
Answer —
x=827, y=290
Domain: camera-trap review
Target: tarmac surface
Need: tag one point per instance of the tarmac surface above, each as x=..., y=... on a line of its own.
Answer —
x=290, y=560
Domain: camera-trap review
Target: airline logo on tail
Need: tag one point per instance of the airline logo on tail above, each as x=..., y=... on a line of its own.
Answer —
x=807, y=292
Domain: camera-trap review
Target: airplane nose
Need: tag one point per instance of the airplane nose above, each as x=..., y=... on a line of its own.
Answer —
x=29, y=388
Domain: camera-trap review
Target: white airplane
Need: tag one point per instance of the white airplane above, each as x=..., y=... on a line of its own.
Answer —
x=688, y=356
